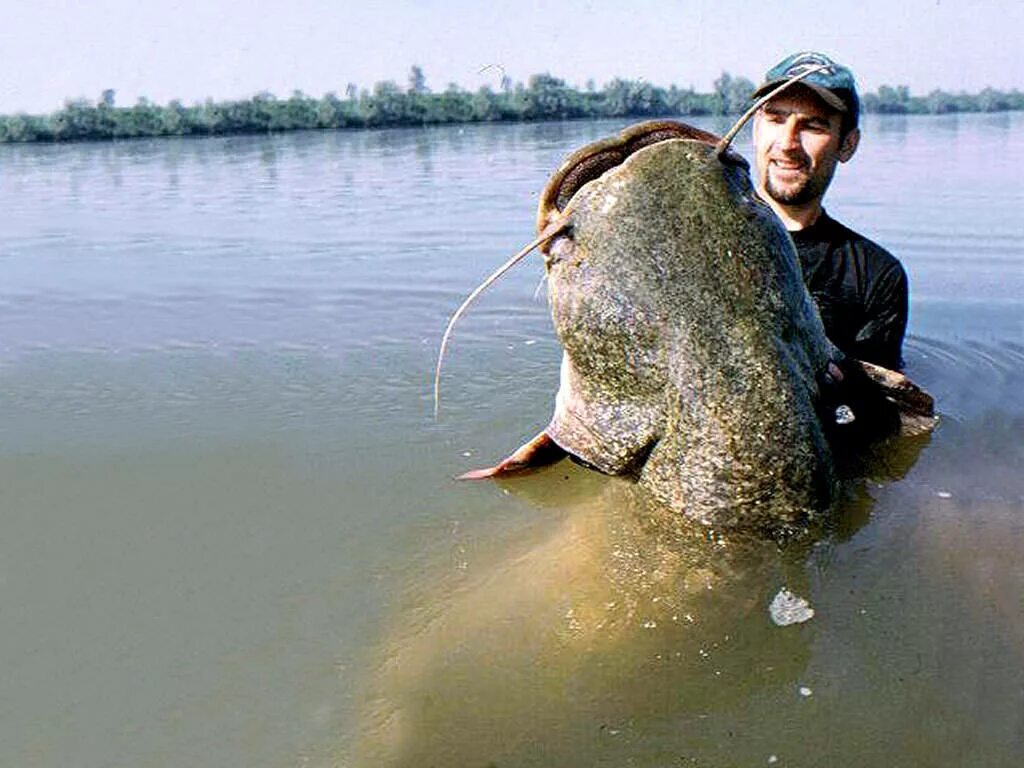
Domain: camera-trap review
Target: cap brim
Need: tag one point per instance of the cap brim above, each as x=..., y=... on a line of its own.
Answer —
x=823, y=93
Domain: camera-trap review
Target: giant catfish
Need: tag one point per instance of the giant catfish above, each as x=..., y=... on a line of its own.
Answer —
x=695, y=361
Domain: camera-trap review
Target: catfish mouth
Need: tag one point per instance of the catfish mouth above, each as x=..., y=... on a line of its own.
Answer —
x=596, y=159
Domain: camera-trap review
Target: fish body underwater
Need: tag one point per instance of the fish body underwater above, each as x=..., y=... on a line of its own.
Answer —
x=693, y=366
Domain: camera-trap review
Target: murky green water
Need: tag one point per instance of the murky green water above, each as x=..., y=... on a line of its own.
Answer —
x=231, y=538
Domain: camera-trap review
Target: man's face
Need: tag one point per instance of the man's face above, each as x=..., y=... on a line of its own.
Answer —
x=797, y=146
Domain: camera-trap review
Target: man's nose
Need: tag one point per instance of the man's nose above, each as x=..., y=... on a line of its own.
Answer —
x=789, y=136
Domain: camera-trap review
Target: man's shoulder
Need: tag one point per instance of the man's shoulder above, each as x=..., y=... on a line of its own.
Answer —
x=880, y=259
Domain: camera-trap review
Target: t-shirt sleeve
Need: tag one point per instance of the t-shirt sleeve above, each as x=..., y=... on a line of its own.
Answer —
x=880, y=339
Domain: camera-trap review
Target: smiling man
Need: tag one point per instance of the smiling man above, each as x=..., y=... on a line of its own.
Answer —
x=800, y=137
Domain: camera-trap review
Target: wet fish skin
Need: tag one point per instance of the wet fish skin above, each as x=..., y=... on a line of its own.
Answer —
x=692, y=350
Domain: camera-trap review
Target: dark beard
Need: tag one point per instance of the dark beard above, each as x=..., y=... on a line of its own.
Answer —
x=804, y=194
x=813, y=188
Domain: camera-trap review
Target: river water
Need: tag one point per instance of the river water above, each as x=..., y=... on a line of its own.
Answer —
x=231, y=537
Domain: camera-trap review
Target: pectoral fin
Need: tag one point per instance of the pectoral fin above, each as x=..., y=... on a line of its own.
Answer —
x=538, y=452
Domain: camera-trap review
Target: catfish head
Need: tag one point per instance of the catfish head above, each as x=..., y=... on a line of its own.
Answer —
x=693, y=353
x=695, y=361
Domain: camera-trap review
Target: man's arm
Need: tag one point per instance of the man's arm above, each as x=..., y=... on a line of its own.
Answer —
x=880, y=339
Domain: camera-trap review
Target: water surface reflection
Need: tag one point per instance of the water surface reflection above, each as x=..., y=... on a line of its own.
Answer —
x=230, y=525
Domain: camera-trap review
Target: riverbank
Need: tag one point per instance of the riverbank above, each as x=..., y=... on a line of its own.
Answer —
x=544, y=97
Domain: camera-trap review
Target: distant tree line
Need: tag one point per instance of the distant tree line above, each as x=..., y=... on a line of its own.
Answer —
x=899, y=101
x=543, y=97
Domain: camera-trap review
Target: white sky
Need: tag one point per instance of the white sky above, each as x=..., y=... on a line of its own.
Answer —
x=192, y=49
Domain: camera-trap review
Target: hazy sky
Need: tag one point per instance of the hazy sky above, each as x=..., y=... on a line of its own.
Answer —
x=191, y=49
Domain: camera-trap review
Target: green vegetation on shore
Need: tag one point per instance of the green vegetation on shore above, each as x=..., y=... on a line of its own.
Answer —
x=543, y=98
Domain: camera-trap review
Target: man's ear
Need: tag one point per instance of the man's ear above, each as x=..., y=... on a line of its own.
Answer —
x=849, y=145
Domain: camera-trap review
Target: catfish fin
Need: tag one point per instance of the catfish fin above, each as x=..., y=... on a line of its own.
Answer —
x=534, y=454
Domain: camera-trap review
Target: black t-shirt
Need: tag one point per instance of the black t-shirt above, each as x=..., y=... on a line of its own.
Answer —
x=860, y=289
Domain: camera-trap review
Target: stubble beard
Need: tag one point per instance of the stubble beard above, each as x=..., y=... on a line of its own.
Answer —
x=811, y=188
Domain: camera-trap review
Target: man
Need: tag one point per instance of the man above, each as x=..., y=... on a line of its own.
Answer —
x=799, y=138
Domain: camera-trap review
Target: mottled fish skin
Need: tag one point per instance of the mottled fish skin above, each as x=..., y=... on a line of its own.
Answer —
x=693, y=351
